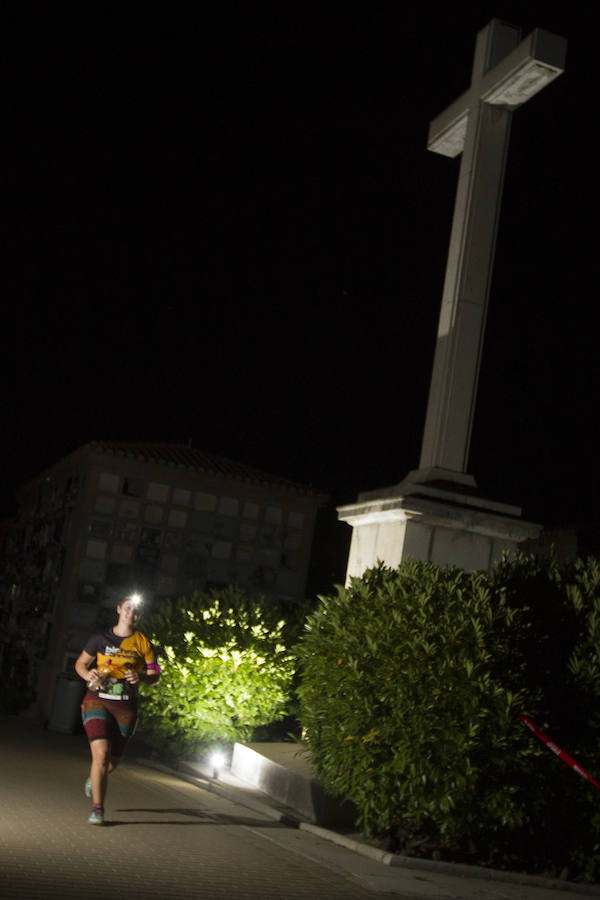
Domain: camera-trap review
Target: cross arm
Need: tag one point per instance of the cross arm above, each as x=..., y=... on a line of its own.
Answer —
x=447, y=132
x=534, y=63
x=538, y=60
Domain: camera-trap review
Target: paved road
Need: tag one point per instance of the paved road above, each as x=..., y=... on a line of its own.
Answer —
x=166, y=838
x=163, y=838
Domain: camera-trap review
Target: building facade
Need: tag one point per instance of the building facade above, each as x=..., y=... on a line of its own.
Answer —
x=162, y=519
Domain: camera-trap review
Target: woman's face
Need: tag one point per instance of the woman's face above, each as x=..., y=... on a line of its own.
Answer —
x=128, y=612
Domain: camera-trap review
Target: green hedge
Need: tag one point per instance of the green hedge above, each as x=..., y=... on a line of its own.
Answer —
x=225, y=670
x=412, y=681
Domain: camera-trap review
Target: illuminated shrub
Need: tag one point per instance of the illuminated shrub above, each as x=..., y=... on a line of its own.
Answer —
x=225, y=670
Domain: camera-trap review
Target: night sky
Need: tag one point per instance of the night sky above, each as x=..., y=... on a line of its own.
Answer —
x=226, y=228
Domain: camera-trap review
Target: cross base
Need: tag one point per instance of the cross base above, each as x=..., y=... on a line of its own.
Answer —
x=434, y=515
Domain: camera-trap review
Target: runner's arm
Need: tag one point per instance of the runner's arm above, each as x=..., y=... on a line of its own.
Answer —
x=150, y=676
x=81, y=666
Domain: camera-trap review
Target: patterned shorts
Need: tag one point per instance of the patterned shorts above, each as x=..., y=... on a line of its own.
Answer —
x=109, y=720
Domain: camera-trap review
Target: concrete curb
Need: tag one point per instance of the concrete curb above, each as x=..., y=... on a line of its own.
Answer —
x=380, y=856
x=290, y=789
x=446, y=868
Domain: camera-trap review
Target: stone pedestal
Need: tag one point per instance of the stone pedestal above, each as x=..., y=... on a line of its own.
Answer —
x=433, y=515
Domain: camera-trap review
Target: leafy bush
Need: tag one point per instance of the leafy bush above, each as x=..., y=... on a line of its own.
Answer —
x=561, y=682
x=411, y=684
x=225, y=670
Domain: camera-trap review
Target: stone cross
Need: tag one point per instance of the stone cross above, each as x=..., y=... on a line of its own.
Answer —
x=505, y=75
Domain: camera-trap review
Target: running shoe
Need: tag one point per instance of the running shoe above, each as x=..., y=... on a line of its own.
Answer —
x=88, y=787
x=96, y=817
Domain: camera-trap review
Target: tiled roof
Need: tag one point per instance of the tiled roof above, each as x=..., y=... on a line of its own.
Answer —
x=185, y=457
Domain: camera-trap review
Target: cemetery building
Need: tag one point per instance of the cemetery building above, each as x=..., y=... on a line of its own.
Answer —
x=161, y=519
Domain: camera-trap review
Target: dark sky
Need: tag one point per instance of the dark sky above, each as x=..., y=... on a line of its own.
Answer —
x=228, y=229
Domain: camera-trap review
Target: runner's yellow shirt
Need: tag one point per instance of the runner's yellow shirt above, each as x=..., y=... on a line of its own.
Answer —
x=117, y=654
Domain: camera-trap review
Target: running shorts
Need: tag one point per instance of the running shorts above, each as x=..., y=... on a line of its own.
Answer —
x=109, y=720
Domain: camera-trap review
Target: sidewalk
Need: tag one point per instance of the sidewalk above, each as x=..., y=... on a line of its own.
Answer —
x=398, y=873
x=190, y=836
x=162, y=836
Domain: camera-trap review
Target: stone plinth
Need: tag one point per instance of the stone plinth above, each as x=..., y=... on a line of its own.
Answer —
x=434, y=515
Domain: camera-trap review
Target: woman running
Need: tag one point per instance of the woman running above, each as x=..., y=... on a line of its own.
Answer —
x=123, y=657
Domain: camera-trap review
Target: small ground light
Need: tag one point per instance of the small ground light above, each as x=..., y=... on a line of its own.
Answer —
x=217, y=761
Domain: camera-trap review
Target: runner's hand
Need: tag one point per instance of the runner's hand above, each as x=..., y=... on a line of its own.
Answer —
x=94, y=680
